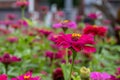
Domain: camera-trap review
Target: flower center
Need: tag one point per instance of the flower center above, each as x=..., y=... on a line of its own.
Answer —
x=95, y=26
x=65, y=21
x=26, y=77
x=22, y=0
x=76, y=36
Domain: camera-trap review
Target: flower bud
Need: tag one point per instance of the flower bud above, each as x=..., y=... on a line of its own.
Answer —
x=84, y=72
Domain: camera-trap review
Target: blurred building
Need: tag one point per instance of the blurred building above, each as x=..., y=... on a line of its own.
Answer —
x=8, y=6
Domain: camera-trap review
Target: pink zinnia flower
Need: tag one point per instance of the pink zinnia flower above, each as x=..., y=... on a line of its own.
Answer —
x=76, y=42
x=8, y=59
x=79, y=18
x=4, y=31
x=3, y=77
x=95, y=30
x=117, y=75
x=49, y=54
x=12, y=39
x=117, y=28
x=99, y=76
x=7, y=23
x=22, y=23
x=27, y=76
x=106, y=21
x=58, y=74
x=55, y=55
x=11, y=16
x=93, y=16
x=53, y=37
x=22, y=3
x=65, y=24
x=61, y=13
x=44, y=8
x=16, y=26
x=44, y=32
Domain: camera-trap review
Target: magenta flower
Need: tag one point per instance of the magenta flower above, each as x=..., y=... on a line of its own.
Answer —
x=8, y=59
x=12, y=39
x=44, y=32
x=58, y=74
x=60, y=54
x=11, y=16
x=61, y=13
x=3, y=77
x=22, y=3
x=7, y=23
x=99, y=76
x=117, y=28
x=16, y=26
x=106, y=21
x=95, y=30
x=52, y=37
x=55, y=55
x=65, y=24
x=4, y=31
x=27, y=76
x=22, y=23
x=93, y=16
x=49, y=54
x=117, y=75
x=79, y=18
x=44, y=8
x=77, y=42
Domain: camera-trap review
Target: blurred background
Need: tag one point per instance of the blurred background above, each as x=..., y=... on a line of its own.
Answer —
x=71, y=8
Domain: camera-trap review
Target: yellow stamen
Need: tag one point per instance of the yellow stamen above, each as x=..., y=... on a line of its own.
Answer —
x=65, y=21
x=26, y=77
x=76, y=35
x=95, y=26
x=23, y=0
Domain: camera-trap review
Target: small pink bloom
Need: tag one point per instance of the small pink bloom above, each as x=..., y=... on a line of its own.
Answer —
x=16, y=26
x=99, y=76
x=44, y=8
x=7, y=22
x=58, y=74
x=11, y=16
x=3, y=77
x=106, y=21
x=8, y=59
x=61, y=13
x=44, y=32
x=21, y=3
x=22, y=23
x=12, y=39
x=65, y=24
x=117, y=28
x=93, y=15
x=27, y=76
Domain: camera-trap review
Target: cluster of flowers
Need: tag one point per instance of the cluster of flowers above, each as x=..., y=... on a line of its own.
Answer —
x=75, y=42
x=27, y=76
x=86, y=74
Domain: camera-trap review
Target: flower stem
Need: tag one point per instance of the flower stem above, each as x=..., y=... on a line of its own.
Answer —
x=66, y=56
x=52, y=65
x=23, y=12
x=72, y=65
x=85, y=79
x=6, y=68
x=71, y=70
